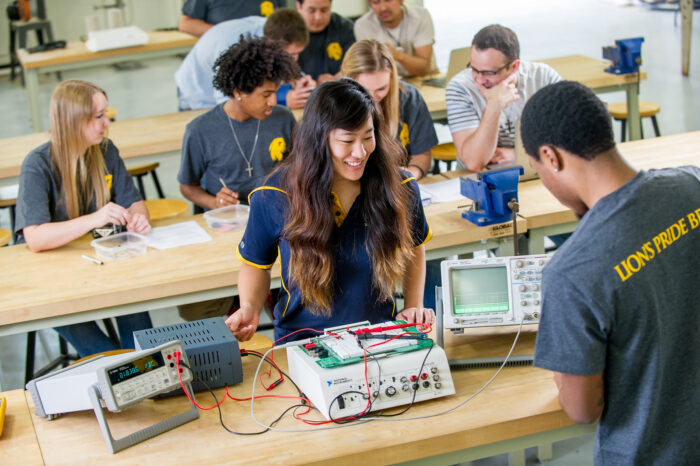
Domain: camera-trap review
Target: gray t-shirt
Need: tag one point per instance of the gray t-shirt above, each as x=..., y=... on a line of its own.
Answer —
x=466, y=104
x=416, y=130
x=39, y=199
x=622, y=297
x=414, y=31
x=210, y=152
x=217, y=11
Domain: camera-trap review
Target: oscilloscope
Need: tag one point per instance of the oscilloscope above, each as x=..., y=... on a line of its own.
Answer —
x=492, y=291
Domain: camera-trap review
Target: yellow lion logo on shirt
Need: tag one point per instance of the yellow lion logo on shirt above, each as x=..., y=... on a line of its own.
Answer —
x=278, y=147
x=266, y=8
x=403, y=135
x=335, y=51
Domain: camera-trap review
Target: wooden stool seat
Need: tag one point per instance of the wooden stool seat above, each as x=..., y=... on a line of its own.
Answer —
x=139, y=171
x=167, y=208
x=5, y=236
x=444, y=153
x=104, y=353
x=9, y=204
x=618, y=111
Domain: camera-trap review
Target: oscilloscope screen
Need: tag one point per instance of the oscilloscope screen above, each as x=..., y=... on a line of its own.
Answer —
x=479, y=290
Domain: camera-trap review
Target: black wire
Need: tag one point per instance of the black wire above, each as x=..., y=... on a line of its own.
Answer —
x=272, y=363
x=413, y=398
x=218, y=406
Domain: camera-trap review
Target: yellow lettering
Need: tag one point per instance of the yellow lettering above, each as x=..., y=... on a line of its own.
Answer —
x=649, y=250
x=674, y=232
x=693, y=219
x=638, y=266
x=665, y=242
x=657, y=243
x=623, y=276
x=642, y=257
x=683, y=226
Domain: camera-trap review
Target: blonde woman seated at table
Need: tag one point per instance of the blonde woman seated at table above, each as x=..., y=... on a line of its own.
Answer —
x=400, y=105
x=346, y=221
x=74, y=183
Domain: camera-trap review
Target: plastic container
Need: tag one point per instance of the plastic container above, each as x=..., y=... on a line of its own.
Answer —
x=120, y=246
x=229, y=218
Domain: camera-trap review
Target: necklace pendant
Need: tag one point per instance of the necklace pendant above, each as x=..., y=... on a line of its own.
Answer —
x=250, y=171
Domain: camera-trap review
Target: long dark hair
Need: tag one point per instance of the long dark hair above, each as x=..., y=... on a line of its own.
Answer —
x=308, y=178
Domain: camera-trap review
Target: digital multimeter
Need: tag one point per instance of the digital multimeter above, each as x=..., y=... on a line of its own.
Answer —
x=116, y=382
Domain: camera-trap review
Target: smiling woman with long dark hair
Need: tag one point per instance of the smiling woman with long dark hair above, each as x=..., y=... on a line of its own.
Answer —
x=346, y=221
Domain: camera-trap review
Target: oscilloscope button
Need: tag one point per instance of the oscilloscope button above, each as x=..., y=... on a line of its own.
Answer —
x=390, y=391
x=535, y=287
x=522, y=287
x=523, y=303
x=518, y=263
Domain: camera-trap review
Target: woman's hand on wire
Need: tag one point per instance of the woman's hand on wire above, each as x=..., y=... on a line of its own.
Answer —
x=110, y=213
x=417, y=315
x=243, y=322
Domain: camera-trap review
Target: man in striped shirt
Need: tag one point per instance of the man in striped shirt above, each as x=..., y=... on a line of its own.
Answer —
x=484, y=102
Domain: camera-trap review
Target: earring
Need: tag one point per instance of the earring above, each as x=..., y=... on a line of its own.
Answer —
x=556, y=169
x=238, y=98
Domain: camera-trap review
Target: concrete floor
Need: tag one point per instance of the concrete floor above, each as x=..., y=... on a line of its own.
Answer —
x=546, y=28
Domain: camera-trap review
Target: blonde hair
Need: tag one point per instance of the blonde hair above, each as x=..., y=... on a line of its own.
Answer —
x=370, y=56
x=82, y=169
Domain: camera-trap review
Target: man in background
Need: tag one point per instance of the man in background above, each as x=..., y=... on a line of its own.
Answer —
x=198, y=16
x=406, y=29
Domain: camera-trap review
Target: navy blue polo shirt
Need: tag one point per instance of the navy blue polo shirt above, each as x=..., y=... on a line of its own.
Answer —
x=355, y=300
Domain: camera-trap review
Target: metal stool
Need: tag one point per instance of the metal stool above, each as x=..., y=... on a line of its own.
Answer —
x=167, y=208
x=444, y=153
x=139, y=171
x=646, y=110
x=18, y=39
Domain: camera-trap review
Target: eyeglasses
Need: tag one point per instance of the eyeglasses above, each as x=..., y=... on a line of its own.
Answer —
x=487, y=73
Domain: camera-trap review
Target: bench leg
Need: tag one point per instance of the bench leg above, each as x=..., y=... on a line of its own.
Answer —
x=544, y=452
x=516, y=458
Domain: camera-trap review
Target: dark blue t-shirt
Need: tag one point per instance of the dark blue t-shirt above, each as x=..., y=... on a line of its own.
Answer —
x=622, y=297
x=355, y=298
x=217, y=11
x=326, y=49
x=416, y=129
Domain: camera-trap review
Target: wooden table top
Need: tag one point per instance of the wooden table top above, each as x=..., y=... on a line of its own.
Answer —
x=77, y=51
x=60, y=282
x=18, y=443
x=134, y=138
x=521, y=401
x=589, y=71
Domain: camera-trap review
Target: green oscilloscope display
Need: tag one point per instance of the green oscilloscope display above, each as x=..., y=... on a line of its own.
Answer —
x=479, y=290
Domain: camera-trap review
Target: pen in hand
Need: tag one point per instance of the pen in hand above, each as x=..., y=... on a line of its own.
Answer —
x=223, y=183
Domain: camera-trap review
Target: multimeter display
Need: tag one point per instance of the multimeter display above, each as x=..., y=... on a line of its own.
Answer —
x=135, y=368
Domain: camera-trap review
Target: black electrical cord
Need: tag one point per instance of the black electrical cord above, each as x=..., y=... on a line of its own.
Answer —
x=218, y=406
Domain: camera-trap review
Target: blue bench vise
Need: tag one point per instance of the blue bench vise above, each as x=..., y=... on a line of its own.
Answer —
x=626, y=55
x=491, y=192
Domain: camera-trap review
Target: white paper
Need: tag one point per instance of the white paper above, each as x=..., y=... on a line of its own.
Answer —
x=444, y=191
x=179, y=234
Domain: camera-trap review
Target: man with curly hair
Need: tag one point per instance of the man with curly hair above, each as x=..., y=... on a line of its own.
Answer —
x=229, y=150
x=195, y=76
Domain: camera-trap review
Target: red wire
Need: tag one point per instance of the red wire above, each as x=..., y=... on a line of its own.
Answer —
x=182, y=384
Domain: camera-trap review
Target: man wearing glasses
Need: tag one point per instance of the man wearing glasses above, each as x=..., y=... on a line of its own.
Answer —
x=484, y=102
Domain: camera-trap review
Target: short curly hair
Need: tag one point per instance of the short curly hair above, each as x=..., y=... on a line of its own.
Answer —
x=251, y=62
x=567, y=115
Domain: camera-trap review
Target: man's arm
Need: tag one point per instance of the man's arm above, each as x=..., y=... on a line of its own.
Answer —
x=582, y=397
x=476, y=147
x=193, y=26
x=417, y=64
x=419, y=164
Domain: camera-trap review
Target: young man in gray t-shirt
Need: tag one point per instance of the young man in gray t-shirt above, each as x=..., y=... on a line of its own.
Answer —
x=620, y=297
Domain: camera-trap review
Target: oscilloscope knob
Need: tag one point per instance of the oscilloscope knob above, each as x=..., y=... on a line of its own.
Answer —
x=523, y=303
x=390, y=391
x=535, y=287
x=536, y=302
x=518, y=263
x=522, y=287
